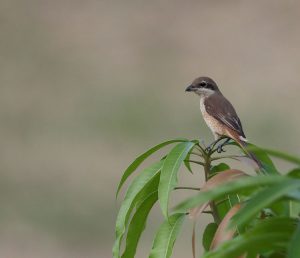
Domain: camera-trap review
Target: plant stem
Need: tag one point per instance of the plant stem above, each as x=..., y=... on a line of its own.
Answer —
x=207, y=212
x=187, y=188
x=197, y=154
x=197, y=162
x=212, y=205
x=199, y=147
x=228, y=157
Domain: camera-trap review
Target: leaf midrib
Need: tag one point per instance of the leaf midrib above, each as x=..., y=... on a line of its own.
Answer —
x=169, y=239
x=173, y=169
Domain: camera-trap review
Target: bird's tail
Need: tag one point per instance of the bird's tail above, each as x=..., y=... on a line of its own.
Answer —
x=250, y=154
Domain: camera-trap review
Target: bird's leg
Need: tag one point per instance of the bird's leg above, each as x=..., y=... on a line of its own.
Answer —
x=213, y=144
x=220, y=146
x=210, y=147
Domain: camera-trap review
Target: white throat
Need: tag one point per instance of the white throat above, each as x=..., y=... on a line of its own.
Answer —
x=202, y=92
x=202, y=106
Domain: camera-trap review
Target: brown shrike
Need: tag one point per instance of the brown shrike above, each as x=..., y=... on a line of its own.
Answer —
x=219, y=114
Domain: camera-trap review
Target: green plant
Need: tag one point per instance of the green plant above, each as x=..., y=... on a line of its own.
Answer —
x=254, y=216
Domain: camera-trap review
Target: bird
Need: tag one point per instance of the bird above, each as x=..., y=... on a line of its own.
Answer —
x=219, y=115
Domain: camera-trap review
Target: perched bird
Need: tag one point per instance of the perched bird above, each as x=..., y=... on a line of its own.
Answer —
x=219, y=114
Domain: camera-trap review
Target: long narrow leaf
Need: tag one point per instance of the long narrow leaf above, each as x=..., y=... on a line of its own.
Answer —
x=218, y=168
x=264, y=199
x=224, y=204
x=220, y=178
x=223, y=233
x=168, y=178
x=262, y=155
x=294, y=209
x=236, y=186
x=187, y=162
x=133, y=194
x=187, y=159
x=295, y=173
x=134, y=165
x=270, y=235
x=282, y=155
x=208, y=235
x=268, y=165
x=166, y=236
x=294, y=247
x=138, y=224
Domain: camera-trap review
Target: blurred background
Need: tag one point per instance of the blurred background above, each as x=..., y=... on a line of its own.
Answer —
x=85, y=86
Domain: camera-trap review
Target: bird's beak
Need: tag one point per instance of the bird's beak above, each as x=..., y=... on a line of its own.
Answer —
x=190, y=88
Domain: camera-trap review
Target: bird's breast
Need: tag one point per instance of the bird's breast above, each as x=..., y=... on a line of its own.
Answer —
x=215, y=126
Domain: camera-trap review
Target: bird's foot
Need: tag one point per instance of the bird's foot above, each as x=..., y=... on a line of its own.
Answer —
x=220, y=148
x=208, y=149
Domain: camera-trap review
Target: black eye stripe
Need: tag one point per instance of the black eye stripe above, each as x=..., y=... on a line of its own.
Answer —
x=205, y=85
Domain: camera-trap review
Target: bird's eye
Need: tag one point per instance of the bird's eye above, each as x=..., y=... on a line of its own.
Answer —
x=203, y=83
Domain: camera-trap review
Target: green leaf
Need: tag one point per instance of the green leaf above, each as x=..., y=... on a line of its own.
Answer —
x=208, y=235
x=294, y=247
x=264, y=199
x=281, y=207
x=187, y=162
x=136, y=190
x=295, y=173
x=168, y=178
x=294, y=209
x=235, y=186
x=226, y=204
x=138, y=224
x=282, y=155
x=294, y=205
x=261, y=154
x=269, y=235
x=218, y=168
x=254, y=255
x=268, y=165
x=134, y=165
x=294, y=195
x=166, y=236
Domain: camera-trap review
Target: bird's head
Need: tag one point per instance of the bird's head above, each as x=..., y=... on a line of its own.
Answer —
x=203, y=86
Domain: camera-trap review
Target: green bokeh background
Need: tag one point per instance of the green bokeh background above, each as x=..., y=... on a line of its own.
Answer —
x=85, y=86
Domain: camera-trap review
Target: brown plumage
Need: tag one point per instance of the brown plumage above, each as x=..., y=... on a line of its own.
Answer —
x=221, y=109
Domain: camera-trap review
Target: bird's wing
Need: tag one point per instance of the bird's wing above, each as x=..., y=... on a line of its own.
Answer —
x=221, y=109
